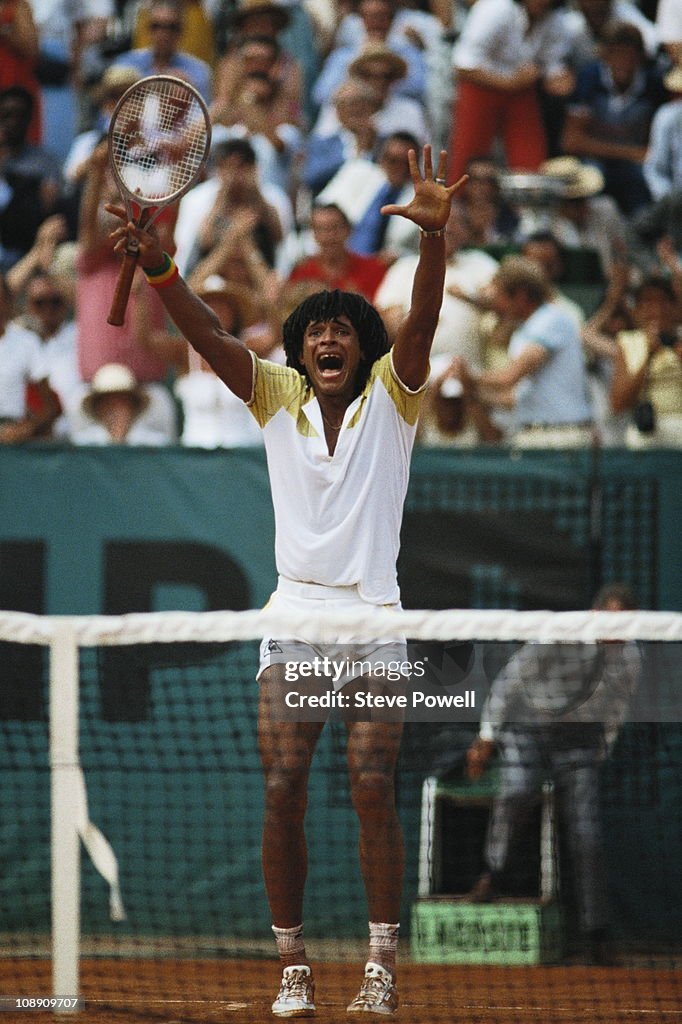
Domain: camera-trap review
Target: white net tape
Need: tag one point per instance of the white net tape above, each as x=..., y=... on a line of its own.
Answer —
x=451, y=624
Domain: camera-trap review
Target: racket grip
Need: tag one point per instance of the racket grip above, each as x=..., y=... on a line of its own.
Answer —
x=123, y=285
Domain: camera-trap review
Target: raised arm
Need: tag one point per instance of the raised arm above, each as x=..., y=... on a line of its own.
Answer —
x=198, y=323
x=429, y=209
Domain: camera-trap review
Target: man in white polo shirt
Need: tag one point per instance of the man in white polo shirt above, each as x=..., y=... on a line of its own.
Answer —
x=338, y=423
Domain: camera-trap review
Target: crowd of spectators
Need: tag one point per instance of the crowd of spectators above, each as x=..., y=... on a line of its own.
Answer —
x=561, y=323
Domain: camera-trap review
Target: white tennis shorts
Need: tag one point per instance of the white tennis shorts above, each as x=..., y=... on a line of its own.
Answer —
x=349, y=656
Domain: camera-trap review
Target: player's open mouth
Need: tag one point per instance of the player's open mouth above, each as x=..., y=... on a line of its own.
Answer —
x=330, y=365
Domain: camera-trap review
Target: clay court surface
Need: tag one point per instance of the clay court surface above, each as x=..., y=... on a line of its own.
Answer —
x=240, y=992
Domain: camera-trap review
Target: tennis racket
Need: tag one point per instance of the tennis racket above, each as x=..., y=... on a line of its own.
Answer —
x=159, y=140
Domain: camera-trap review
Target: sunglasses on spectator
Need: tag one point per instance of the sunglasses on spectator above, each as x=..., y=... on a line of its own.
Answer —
x=382, y=76
x=170, y=26
x=44, y=301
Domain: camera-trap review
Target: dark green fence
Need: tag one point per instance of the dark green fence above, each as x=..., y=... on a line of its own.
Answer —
x=168, y=741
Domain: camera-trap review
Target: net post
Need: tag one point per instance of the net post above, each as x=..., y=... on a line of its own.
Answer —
x=426, y=868
x=549, y=882
x=65, y=840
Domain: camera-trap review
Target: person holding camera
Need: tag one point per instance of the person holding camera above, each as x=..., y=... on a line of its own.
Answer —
x=647, y=368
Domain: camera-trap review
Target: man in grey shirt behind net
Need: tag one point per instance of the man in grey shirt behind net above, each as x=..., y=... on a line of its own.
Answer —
x=554, y=712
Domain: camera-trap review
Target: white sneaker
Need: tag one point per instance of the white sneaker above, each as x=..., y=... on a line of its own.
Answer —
x=296, y=994
x=377, y=994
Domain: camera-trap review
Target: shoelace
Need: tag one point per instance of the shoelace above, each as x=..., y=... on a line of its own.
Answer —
x=373, y=988
x=295, y=984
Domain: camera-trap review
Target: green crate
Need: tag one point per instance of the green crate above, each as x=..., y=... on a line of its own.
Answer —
x=512, y=932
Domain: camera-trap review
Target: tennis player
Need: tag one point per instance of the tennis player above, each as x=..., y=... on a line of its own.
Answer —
x=339, y=423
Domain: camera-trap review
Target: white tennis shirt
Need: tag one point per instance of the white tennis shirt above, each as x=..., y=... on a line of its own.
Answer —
x=337, y=517
x=21, y=361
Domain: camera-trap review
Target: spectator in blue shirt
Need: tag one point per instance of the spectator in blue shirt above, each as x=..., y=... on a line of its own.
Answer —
x=663, y=163
x=355, y=104
x=609, y=117
x=163, y=56
x=545, y=379
x=663, y=173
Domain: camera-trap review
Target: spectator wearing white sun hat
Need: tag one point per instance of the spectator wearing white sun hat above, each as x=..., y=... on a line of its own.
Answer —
x=114, y=410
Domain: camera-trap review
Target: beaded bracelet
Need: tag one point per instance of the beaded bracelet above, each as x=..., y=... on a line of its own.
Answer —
x=162, y=276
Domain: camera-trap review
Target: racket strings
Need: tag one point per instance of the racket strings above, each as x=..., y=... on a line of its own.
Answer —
x=159, y=140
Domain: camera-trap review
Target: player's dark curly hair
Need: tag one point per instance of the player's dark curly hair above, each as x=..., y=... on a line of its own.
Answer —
x=324, y=306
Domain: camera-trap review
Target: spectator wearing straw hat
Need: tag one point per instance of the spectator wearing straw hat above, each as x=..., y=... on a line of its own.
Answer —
x=377, y=17
x=586, y=218
x=114, y=409
x=383, y=69
x=259, y=20
x=427, y=27
x=378, y=69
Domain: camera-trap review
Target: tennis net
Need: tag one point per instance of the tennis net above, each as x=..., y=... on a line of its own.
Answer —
x=132, y=806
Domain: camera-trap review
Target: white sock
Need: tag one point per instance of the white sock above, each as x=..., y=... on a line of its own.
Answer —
x=290, y=945
x=383, y=944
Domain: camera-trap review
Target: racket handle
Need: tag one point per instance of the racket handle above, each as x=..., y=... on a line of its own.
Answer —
x=123, y=285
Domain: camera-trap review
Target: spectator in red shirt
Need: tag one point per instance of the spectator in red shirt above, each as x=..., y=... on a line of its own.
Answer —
x=334, y=265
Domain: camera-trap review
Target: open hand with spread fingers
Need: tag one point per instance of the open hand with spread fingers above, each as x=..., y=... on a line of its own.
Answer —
x=430, y=207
